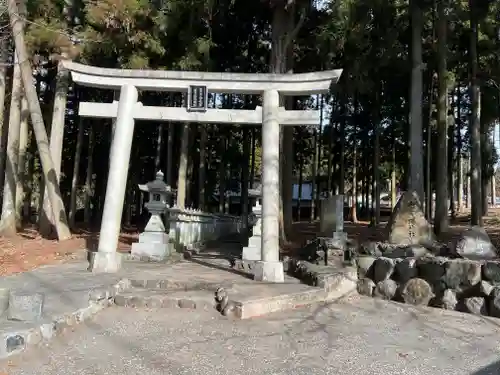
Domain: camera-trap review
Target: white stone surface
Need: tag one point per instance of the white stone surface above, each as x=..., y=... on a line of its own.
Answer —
x=270, y=177
x=211, y=116
x=108, y=262
x=155, y=224
x=168, y=80
x=152, y=250
x=118, y=171
x=271, y=272
x=189, y=228
x=253, y=250
x=252, y=253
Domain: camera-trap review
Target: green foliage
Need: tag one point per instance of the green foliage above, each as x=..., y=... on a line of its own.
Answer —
x=369, y=39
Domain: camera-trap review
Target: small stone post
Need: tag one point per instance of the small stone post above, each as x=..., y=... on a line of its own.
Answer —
x=153, y=242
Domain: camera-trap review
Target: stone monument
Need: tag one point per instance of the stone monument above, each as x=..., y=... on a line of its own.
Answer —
x=332, y=221
x=408, y=225
x=253, y=250
x=153, y=242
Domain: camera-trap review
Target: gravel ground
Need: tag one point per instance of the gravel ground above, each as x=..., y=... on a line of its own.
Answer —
x=360, y=336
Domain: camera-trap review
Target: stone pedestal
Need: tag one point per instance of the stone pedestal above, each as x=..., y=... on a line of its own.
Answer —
x=271, y=272
x=101, y=261
x=339, y=240
x=254, y=250
x=153, y=242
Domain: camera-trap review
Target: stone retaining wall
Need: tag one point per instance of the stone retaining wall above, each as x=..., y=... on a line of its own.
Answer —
x=453, y=284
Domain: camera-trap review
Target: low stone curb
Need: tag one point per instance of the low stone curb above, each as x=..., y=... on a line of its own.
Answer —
x=136, y=300
x=15, y=342
x=174, y=286
x=326, y=277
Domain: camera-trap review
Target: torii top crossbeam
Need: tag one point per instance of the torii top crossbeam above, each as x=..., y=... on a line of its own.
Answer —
x=179, y=81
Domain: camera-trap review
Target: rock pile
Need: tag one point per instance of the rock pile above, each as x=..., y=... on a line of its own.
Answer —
x=412, y=267
x=454, y=284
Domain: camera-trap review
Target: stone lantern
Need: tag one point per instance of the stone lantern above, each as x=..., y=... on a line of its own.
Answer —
x=153, y=242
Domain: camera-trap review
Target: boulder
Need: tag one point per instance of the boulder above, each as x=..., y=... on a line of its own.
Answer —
x=365, y=287
x=408, y=224
x=383, y=269
x=462, y=274
x=485, y=288
x=417, y=292
x=386, y=289
x=369, y=248
x=474, y=305
x=474, y=243
x=494, y=302
x=405, y=270
x=491, y=271
x=409, y=251
x=365, y=266
x=449, y=300
x=431, y=269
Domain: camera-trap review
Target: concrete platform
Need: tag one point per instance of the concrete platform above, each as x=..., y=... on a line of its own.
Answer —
x=73, y=294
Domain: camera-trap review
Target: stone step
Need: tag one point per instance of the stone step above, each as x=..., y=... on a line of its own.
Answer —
x=138, y=297
x=259, y=299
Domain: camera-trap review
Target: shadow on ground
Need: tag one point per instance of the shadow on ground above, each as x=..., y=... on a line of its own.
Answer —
x=493, y=369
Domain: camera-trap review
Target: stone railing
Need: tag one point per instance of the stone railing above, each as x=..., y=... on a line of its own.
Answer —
x=191, y=228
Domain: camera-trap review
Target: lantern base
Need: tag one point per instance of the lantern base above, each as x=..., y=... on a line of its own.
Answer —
x=153, y=245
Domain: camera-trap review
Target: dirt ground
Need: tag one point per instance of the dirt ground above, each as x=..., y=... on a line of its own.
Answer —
x=28, y=250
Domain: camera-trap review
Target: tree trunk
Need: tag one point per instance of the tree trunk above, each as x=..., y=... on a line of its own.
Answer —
x=301, y=182
x=183, y=164
x=441, y=213
x=329, y=170
x=451, y=151
x=29, y=182
x=47, y=223
x=416, y=154
x=76, y=173
x=485, y=144
x=159, y=142
x=244, y=177
x=354, y=203
x=88, y=178
x=474, y=124
x=283, y=25
x=222, y=171
x=393, y=175
x=8, y=218
x=21, y=166
x=3, y=89
x=428, y=150
x=228, y=176
x=50, y=174
x=252, y=164
x=376, y=163
x=460, y=182
x=202, y=168
x=342, y=147
x=314, y=173
x=170, y=162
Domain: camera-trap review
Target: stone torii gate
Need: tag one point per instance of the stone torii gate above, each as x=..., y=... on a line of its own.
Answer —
x=197, y=85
